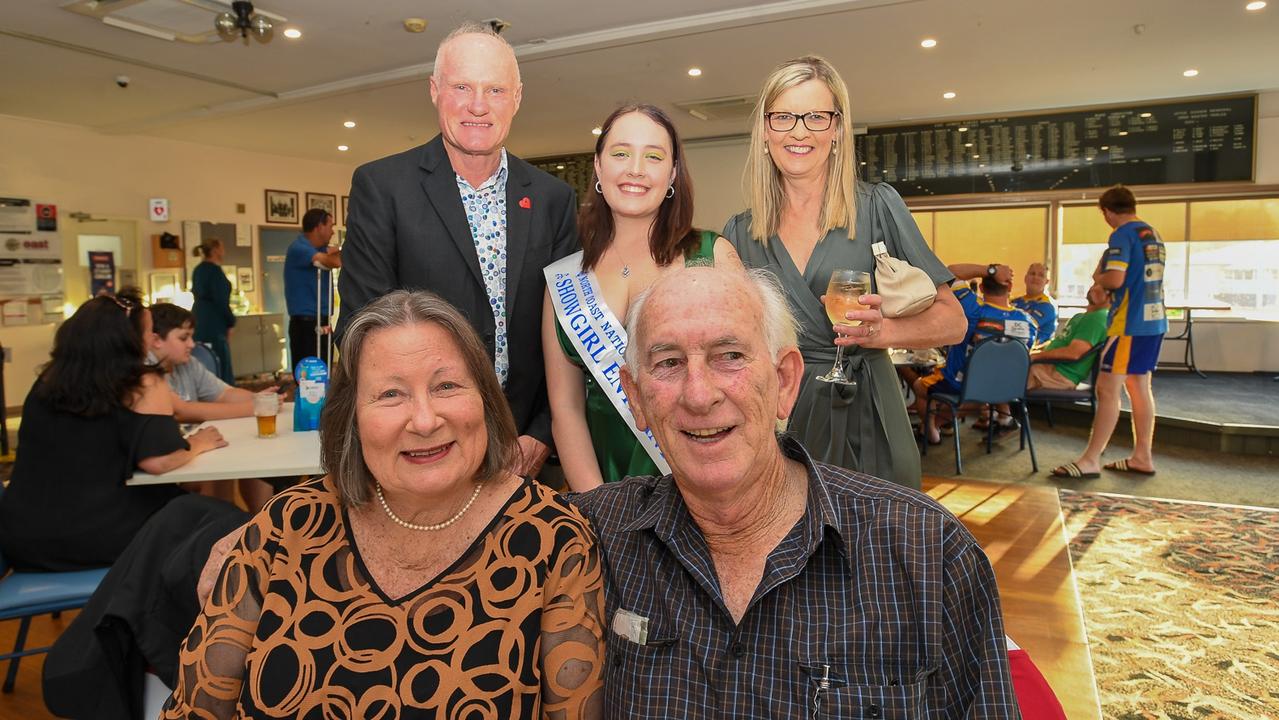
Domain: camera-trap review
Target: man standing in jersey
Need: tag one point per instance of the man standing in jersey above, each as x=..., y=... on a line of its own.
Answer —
x=309, y=309
x=1133, y=269
x=472, y=223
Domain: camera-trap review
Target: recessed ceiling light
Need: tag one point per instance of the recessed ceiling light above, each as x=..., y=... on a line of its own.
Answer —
x=968, y=144
x=1145, y=115
x=596, y=130
x=1190, y=73
x=928, y=43
x=1089, y=158
x=559, y=167
x=1105, y=147
x=1123, y=133
x=976, y=156
x=343, y=148
x=292, y=33
x=948, y=95
x=963, y=129
x=863, y=162
x=694, y=72
x=1255, y=5
x=348, y=124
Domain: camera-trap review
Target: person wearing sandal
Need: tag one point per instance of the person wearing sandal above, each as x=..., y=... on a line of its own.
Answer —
x=1133, y=268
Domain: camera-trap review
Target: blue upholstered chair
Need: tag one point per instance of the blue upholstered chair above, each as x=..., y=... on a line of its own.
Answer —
x=204, y=354
x=996, y=373
x=23, y=595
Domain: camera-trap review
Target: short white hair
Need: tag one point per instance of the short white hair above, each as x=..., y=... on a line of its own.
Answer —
x=781, y=331
x=472, y=28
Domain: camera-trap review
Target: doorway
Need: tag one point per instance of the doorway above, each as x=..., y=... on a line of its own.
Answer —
x=273, y=243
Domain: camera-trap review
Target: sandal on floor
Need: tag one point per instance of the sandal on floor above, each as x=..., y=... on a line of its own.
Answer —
x=1124, y=467
x=1071, y=470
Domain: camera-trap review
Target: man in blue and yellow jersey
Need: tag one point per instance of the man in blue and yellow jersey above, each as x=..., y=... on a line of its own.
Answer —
x=991, y=317
x=1038, y=303
x=1132, y=268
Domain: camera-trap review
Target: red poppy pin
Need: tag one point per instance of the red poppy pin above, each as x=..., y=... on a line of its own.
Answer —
x=526, y=203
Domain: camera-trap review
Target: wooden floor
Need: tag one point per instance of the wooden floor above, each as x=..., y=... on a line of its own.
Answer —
x=1020, y=528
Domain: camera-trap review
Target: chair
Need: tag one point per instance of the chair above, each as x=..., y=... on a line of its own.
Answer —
x=1089, y=394
x=204, y=353
x=996, y=373
x=23, y=595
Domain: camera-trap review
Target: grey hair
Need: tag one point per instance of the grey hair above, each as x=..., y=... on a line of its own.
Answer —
x=780, y=328
x=470, y=27
x=341, y=452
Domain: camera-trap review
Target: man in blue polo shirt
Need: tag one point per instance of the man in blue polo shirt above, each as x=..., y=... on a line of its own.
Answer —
x=1038, y=304
x=1133, y=268
x=307, y=309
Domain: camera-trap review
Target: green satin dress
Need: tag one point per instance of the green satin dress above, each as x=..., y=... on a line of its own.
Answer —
x=619, y=454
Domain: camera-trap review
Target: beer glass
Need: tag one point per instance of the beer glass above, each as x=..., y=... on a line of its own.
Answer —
x=266, y=405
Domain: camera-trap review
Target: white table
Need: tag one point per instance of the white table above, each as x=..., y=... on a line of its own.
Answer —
x=248, y=456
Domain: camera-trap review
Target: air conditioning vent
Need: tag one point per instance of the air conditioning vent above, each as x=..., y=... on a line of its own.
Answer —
x=726, y=108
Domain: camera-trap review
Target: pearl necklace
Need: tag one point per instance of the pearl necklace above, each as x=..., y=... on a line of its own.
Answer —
x=438, y=526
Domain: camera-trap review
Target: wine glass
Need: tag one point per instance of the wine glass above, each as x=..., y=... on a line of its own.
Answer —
x=842, y=294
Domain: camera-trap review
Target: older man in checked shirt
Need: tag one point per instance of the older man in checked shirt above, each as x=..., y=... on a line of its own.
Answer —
x=756, y=583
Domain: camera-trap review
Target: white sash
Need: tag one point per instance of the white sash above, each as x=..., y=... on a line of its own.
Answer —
x=598, y=336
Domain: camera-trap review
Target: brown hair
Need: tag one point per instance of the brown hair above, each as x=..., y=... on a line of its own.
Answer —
x=673, y=233
x=1118, y=200
x=167, y=317
x=341, y=453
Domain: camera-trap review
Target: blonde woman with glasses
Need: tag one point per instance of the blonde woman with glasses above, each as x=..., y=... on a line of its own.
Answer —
x=810, y=215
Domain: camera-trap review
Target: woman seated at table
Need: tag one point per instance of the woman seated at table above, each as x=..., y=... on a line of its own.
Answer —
x=96, y=413
x=420, y=577
x=640, y=223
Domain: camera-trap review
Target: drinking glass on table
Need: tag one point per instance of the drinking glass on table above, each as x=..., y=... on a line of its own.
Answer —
x=266, y=405
x=842, y=294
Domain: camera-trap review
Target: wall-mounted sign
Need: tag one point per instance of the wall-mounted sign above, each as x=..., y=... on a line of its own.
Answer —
x=101, y=273
x=46, y=218
x=1188, y=141
x=159, y=209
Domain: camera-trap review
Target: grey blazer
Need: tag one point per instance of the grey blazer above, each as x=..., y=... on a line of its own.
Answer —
x=406, y=228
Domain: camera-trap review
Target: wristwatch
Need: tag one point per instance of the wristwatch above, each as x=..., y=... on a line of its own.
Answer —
x=991, y=269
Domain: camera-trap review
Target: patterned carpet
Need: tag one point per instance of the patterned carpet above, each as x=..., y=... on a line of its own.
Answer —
x=1181, y=604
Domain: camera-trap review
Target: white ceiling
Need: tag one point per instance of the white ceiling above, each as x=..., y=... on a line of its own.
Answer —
x=580, y=59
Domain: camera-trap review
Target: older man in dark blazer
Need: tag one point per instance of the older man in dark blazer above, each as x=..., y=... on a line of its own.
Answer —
x=463, y=218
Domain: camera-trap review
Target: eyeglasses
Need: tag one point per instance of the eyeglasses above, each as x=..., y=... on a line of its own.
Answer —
x=815, y=121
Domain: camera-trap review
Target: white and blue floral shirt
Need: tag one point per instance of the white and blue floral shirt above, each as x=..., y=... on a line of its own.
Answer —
x=486, y=213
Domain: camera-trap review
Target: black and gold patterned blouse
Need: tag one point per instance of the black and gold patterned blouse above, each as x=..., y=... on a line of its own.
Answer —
x=297, y=628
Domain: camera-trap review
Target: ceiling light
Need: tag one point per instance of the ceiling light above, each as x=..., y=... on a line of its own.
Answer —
x=968, y=144
x=928, y=43
x=559, y=167
x=596, y=130
x=694, y=72
x=976, y=156
x=414, y=24
x=948, y=95
x=1105, y=147
x=1145, y=115
x=343, y=148
x=1123, y=133
x=292, y=33
x=963, y=129
x=1190, y=73
x=1089, y=158
x=1255, y=5
x=243, y=21
x=348, y=124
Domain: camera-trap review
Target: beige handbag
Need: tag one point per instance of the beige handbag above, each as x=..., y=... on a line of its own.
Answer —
x=906, y=289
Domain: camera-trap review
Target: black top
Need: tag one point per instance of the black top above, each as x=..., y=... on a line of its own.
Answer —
x=67, y=507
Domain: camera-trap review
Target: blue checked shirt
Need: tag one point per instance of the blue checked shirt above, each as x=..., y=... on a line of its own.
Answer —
x=877, y=589
x=486, y=213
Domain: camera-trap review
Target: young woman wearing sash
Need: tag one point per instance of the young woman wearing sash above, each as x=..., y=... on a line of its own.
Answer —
x=639, y=223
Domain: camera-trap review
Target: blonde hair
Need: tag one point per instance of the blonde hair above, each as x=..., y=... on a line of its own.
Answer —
x=472, y=28
x=762, y=178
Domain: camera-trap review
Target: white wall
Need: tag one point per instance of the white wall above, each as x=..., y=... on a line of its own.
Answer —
x=113, y=176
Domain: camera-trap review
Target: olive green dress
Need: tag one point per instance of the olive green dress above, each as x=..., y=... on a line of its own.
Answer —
x=619, y=454
x=863, y=427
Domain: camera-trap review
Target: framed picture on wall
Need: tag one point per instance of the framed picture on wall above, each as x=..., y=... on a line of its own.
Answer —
x=346, y=200
x=328, y=203
x=282, y=207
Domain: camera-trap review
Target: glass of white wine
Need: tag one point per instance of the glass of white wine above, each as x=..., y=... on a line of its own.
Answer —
x=842, y=294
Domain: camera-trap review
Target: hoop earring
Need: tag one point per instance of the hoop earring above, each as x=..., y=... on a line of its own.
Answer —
x=599, y=188
x=670, y=191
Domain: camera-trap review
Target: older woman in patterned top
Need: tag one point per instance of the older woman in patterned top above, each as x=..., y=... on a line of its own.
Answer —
x=420, y=577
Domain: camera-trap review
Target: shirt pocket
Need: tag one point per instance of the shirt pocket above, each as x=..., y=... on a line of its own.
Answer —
x=638, y=677
x=846, y=697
